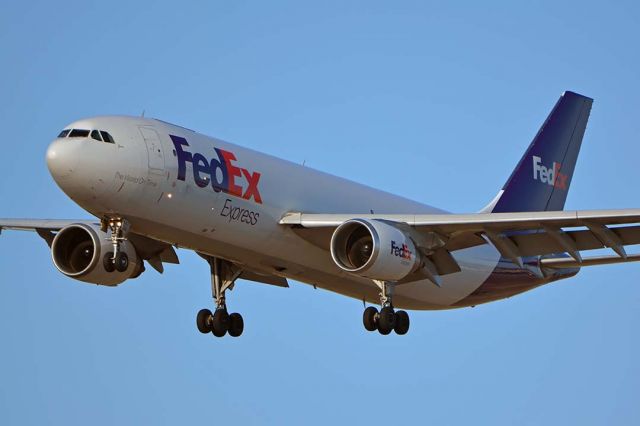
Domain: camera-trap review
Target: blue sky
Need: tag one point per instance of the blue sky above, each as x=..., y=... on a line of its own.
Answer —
x=432, y=100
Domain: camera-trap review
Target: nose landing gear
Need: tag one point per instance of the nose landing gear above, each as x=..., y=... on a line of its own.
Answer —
x=220, y=322
x=387, y=319
x=116, y=260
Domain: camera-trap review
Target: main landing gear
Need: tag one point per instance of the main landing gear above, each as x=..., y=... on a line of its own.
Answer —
x=223, y=276
x=387, y=319
x=116, y=260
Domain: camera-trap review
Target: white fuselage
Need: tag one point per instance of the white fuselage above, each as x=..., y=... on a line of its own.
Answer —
x=231, y=206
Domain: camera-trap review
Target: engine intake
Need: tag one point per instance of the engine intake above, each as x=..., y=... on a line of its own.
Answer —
x=374, y=249
x=78, y=250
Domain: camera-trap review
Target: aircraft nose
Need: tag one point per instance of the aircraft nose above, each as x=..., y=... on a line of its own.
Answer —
x=62, y=158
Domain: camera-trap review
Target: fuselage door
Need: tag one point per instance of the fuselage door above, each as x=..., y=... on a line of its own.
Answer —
x=154, y=149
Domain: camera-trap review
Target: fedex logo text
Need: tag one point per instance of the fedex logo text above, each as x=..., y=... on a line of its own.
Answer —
x=401, y=251
x=221, y=172
x=549, y=175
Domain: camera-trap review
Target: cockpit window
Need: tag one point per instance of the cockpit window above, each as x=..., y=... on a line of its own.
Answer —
x=99, y=135
x=79, y=133
x=96, y=135
x=106, y=137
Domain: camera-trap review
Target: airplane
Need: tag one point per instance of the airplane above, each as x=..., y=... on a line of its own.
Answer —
x=152, y=186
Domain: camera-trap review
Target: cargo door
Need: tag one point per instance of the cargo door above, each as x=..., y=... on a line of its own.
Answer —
x=154, y=150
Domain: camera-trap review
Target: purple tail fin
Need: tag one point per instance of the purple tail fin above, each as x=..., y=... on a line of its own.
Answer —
x=541, y=179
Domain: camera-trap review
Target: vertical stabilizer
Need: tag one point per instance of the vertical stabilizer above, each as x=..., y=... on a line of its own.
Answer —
x=542, y=178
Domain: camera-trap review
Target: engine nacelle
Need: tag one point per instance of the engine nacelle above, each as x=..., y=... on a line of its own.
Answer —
x=374, y=249
x=78, y=251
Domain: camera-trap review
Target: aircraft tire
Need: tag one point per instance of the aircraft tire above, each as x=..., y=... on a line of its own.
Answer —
x=402, y=323
x=369, y=318
x=203, y=321
x=122, y=262
x=236, y=325
x=386, y=320
x=107, y=262
x=220, y=323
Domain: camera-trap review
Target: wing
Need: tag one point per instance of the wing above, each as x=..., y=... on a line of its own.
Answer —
x=153, y=251
x=515, y=235
x=34, y=224
x=45, y=228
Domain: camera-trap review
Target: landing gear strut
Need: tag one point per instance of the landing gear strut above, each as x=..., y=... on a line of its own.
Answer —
x=387, y=319
x=116, y=260
x=223, y=276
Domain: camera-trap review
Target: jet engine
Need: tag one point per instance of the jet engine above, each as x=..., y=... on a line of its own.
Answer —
x=374, y=249
x=78, y=251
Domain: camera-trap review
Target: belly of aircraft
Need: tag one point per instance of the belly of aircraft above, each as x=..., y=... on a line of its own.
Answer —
x=306, y=263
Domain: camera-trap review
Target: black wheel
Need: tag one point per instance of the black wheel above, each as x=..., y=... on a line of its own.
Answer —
x=386, y=320
x=402, y=323
x=122, y=262
x=236, y=325
x=369, y=318
x=107, y=262
x=220, y=323
x=203, y=321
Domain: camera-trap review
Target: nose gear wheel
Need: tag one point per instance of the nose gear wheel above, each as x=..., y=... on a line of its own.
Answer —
x=116, y=260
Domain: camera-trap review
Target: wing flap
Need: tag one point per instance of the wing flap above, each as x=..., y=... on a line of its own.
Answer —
x=540, y=243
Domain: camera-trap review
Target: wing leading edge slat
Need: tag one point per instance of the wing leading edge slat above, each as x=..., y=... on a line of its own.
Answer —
x=473, y=222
